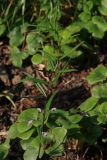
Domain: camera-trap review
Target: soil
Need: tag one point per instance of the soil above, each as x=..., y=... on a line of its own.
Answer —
x=72, y=91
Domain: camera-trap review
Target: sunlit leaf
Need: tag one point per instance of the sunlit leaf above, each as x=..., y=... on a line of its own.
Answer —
x=89, y=104
x=28, y=115
x=97, y=75
x=100, y=91
x=37, y=59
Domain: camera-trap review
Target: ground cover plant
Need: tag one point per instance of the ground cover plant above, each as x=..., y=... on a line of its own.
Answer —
x=53, y=79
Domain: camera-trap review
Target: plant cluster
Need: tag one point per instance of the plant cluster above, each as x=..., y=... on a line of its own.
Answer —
x=41, y=35
x=45, y=131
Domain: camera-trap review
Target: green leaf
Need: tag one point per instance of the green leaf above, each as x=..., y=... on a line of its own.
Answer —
x=85, y=17
x=26, y=143
x=37, y=59
x=24, y=126
x=49, y=49
x=26, y=135
x=75, y=118
x=88, y=6
x=100, y=22
x=2, y=29
x=60, y=112
x=39, y=121
x=33, y=41
x=100, y=91
x=16, y=56
x=103, y=108
x=16, y=36
x=103, y=10
x=4, y=149
x=31, y=154
x=13, y=132
x=58, y=135
x=102, y=119
x=104, y=2
x=25, y=54
x=62, y=121
x=89, y=104
x=97, y=75
x=94, y=29
x=66, y=35
x=28, y=115
x=103, y=7
x=70, y=52
x=32, y=146
x=73, y=28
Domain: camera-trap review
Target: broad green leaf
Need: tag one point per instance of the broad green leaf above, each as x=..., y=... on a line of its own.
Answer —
x=25, y=54
x=16, y=56
x=26, y=143
x=64, y=122
x=24, y=126
x=89, y=104
x=16, y=36
x=102, y=119
x=59, y=134
x=39, y=121
x=37, y=59
x=104, y=3
x=66, y=35
x=94, y=112
x=85, y=17
x=100, y=91
x=49, y=49
x=73, y=28
x=28, y=115
x=13, y=132
x=75, y=118
x=94, y=29
x=59, y=112
x=103, y=108
x=32, y=146
x=31, y=153
x=70, y=52
x=97, y=75
x=88, y=6
x=33, y=41
x=103, y=10
x=73, y=110
x=100, y=22
x=26, y=135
